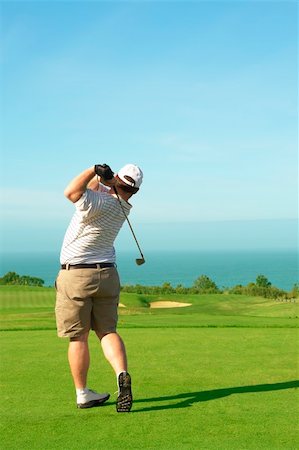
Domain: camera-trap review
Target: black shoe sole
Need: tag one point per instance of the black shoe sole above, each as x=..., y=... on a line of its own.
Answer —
x=125, y=398
x=93, y=403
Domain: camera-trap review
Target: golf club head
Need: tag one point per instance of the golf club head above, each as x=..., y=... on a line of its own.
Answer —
x=140, y=261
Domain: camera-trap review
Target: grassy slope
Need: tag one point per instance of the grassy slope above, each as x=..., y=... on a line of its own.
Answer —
x=33, y=308
x=195, y=386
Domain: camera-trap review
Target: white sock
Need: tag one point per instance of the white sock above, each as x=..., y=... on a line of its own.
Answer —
x=80, y=391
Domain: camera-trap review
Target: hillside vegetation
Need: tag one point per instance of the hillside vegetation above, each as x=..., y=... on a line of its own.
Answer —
x=28, y=307
x=262, y=287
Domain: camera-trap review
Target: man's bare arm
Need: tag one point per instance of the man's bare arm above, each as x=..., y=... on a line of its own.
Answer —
x=94, y=183
x=86, y=180
x=78, y=185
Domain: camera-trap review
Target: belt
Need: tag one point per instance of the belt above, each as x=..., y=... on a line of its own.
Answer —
x=87, y=266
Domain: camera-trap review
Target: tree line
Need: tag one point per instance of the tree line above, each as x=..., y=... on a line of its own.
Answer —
x=262, y=287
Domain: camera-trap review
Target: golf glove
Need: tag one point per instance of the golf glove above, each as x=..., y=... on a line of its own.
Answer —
x=104, y=171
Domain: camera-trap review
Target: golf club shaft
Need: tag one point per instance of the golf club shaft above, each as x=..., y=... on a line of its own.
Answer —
x=128, y=222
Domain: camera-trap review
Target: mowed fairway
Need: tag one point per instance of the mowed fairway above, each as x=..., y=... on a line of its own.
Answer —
x=220, y=374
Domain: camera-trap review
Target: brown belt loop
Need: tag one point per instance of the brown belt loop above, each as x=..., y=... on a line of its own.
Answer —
x=67, y=266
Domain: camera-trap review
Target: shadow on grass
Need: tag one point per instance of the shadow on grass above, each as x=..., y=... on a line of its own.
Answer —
x=189, y=398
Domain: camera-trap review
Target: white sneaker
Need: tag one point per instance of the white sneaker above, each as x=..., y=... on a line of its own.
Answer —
x=90, y=399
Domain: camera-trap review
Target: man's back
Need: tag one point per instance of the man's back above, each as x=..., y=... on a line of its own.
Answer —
x=93, y=229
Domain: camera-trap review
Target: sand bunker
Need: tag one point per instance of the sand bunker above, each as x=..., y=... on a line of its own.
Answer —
x=121, y=305
x=169, y=304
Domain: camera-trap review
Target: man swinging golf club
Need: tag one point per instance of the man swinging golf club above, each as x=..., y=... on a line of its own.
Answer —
x=88, y=284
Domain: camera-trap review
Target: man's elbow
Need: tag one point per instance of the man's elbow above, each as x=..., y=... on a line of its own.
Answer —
x=71, y=195
x=67, y=193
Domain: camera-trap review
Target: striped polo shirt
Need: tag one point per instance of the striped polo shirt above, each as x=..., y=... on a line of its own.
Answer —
x=92, y=231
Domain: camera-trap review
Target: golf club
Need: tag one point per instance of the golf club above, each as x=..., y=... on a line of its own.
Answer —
x=139, y=261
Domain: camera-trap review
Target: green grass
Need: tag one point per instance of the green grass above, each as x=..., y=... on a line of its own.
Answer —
x=218, y=375
x=32, y=308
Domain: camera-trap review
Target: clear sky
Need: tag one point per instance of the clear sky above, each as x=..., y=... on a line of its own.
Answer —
x=201, y=95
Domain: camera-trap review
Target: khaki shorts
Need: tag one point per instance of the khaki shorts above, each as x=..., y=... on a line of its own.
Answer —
x=86, y=299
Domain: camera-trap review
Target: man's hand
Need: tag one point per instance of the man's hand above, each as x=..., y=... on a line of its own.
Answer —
x=104, y=172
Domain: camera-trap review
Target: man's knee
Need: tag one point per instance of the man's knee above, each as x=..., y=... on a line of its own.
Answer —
x=102, y=335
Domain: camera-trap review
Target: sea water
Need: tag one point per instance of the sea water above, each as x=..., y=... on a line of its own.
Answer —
x=225, y=268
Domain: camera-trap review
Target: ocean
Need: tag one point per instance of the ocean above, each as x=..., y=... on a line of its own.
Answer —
x=225, y=268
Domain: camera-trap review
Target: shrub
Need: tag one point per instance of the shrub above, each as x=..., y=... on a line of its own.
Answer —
x=261, y=288
x=294, y=293
x=204, y=285
x=24, y=280
x=262, y=281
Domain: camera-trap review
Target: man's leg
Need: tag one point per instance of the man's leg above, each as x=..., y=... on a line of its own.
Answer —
x=104, y=322
x=78, y=355
x=73, y=315
x=114, y=351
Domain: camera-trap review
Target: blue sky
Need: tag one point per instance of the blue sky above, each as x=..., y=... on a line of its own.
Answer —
x=201, y=95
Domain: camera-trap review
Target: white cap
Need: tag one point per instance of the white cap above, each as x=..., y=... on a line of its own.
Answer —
x=133, y=172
